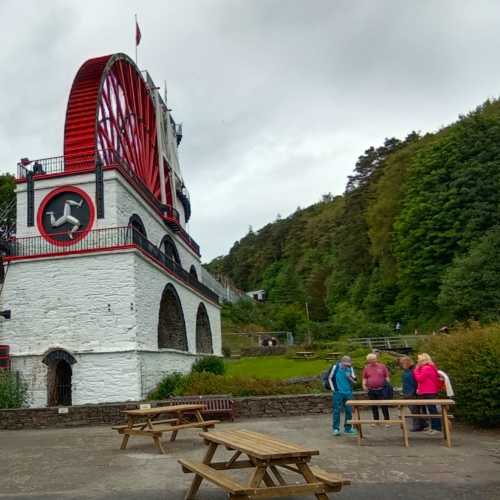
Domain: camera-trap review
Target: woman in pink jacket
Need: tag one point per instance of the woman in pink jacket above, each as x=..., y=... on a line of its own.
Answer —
x=428, y=387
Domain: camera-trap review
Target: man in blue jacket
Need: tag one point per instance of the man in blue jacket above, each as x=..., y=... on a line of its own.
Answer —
x=341, y=380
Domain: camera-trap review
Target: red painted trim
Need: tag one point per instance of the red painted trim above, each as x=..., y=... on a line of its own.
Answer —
x=41, y=177
x=80, y=234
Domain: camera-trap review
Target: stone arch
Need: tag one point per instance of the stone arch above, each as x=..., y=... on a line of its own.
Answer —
x=192, y=272
x=169, y=248
x=136, y=223
x=203, y=331
x=171, y=324
x=59, y=377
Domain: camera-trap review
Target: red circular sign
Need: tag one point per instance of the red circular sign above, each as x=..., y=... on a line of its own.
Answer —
x=65, y=216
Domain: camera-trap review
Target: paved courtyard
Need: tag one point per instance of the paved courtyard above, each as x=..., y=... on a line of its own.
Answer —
x=87, y=463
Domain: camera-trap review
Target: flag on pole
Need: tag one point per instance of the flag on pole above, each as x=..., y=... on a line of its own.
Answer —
x=137, y=33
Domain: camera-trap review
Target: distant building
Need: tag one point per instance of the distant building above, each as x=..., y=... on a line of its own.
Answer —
x=259, y=295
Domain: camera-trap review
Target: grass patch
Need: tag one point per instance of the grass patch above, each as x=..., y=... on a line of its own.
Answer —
x=282, y=367
x=275, y=367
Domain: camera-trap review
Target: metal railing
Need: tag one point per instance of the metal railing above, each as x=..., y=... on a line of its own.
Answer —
x=108, y=158
x=57, y=165
x=106, y=239
x=387, y=342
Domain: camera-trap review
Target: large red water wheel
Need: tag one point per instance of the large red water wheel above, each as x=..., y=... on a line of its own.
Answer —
x=111, y=113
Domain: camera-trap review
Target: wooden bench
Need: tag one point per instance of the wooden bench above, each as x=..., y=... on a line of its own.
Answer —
x=305, y=355
x=150, y=426
x=266, y=455
x=217, y=477
x=402, y=405
x=143, y=424
x=214, y=406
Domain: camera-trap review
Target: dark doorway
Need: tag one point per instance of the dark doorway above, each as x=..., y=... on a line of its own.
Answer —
x=60, y=386
x=59, y=375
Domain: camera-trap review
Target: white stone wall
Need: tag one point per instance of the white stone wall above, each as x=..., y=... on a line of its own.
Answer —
x=155, y=365
x=149, y=286
x=96, y=377
x=79, y=303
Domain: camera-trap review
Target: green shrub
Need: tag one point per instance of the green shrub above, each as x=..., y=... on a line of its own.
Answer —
x=167, y=386
x=471, y=358
x=209, y=364
x=13, y=391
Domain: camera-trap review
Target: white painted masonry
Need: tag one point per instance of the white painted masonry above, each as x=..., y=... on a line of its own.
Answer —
x=102, y=308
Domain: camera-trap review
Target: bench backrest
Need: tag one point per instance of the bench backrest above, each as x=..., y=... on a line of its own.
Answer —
x=213, y=404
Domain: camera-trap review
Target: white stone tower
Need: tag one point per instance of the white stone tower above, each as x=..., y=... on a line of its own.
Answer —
x=102, y=277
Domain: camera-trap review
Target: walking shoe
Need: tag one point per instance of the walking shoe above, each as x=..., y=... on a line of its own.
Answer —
x=336, y=432
x=432, y=431
x=351, y=432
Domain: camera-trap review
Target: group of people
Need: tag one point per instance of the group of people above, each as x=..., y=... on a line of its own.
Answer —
x=422, y=380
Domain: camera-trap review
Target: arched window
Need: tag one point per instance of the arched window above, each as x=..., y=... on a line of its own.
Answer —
x=193, y=273
x=171, y=325
x=203, y=331
x=167, y=246
x=135, y=222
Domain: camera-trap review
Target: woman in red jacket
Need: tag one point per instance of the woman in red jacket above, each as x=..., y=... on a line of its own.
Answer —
x=428, y=386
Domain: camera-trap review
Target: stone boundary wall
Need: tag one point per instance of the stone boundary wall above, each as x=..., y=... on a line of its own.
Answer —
x=110, y=414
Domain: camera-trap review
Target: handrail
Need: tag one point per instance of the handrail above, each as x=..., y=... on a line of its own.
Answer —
x=110, y=238
x=109, y=159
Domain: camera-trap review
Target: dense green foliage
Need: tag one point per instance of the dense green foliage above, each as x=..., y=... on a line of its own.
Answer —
x=209, y=364
x=412, y=239
x=13, y=391
x=471, y=358
x=204, y=383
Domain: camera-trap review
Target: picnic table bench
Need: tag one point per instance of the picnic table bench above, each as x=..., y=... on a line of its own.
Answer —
x=219, y=405
x=305, y=355
x=332, y=356
x=402, y=405
x=146, y=422
x=264, y=455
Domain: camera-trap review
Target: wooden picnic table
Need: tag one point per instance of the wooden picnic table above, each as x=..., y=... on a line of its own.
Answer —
x=145, y=422
x=264, y=455
x=305, y=354
x=402, y=405
x=332, y=356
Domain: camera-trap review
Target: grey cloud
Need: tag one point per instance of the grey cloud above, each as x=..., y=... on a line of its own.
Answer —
x=278, y=97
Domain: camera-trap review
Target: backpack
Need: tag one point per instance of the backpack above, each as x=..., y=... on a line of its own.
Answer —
x=325, y=378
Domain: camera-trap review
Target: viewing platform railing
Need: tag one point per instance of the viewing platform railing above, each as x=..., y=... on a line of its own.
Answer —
x=108, y=160
x=106, y=239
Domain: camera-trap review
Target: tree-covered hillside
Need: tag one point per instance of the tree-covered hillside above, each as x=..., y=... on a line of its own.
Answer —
x=414, y=238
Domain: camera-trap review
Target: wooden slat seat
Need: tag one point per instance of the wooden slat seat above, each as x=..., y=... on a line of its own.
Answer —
x=427, y=415
x=143, y=424
x=217, y=477
x=376, y=422
x=332, y=479
x=191, y=425
x=227, y=483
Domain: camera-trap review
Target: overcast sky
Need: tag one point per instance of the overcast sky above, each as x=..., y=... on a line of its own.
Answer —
x=278, y=98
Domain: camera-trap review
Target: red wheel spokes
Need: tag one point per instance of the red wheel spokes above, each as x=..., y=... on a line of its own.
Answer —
x=111, y=110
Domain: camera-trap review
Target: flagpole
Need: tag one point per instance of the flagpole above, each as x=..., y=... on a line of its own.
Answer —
x=135, y=39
